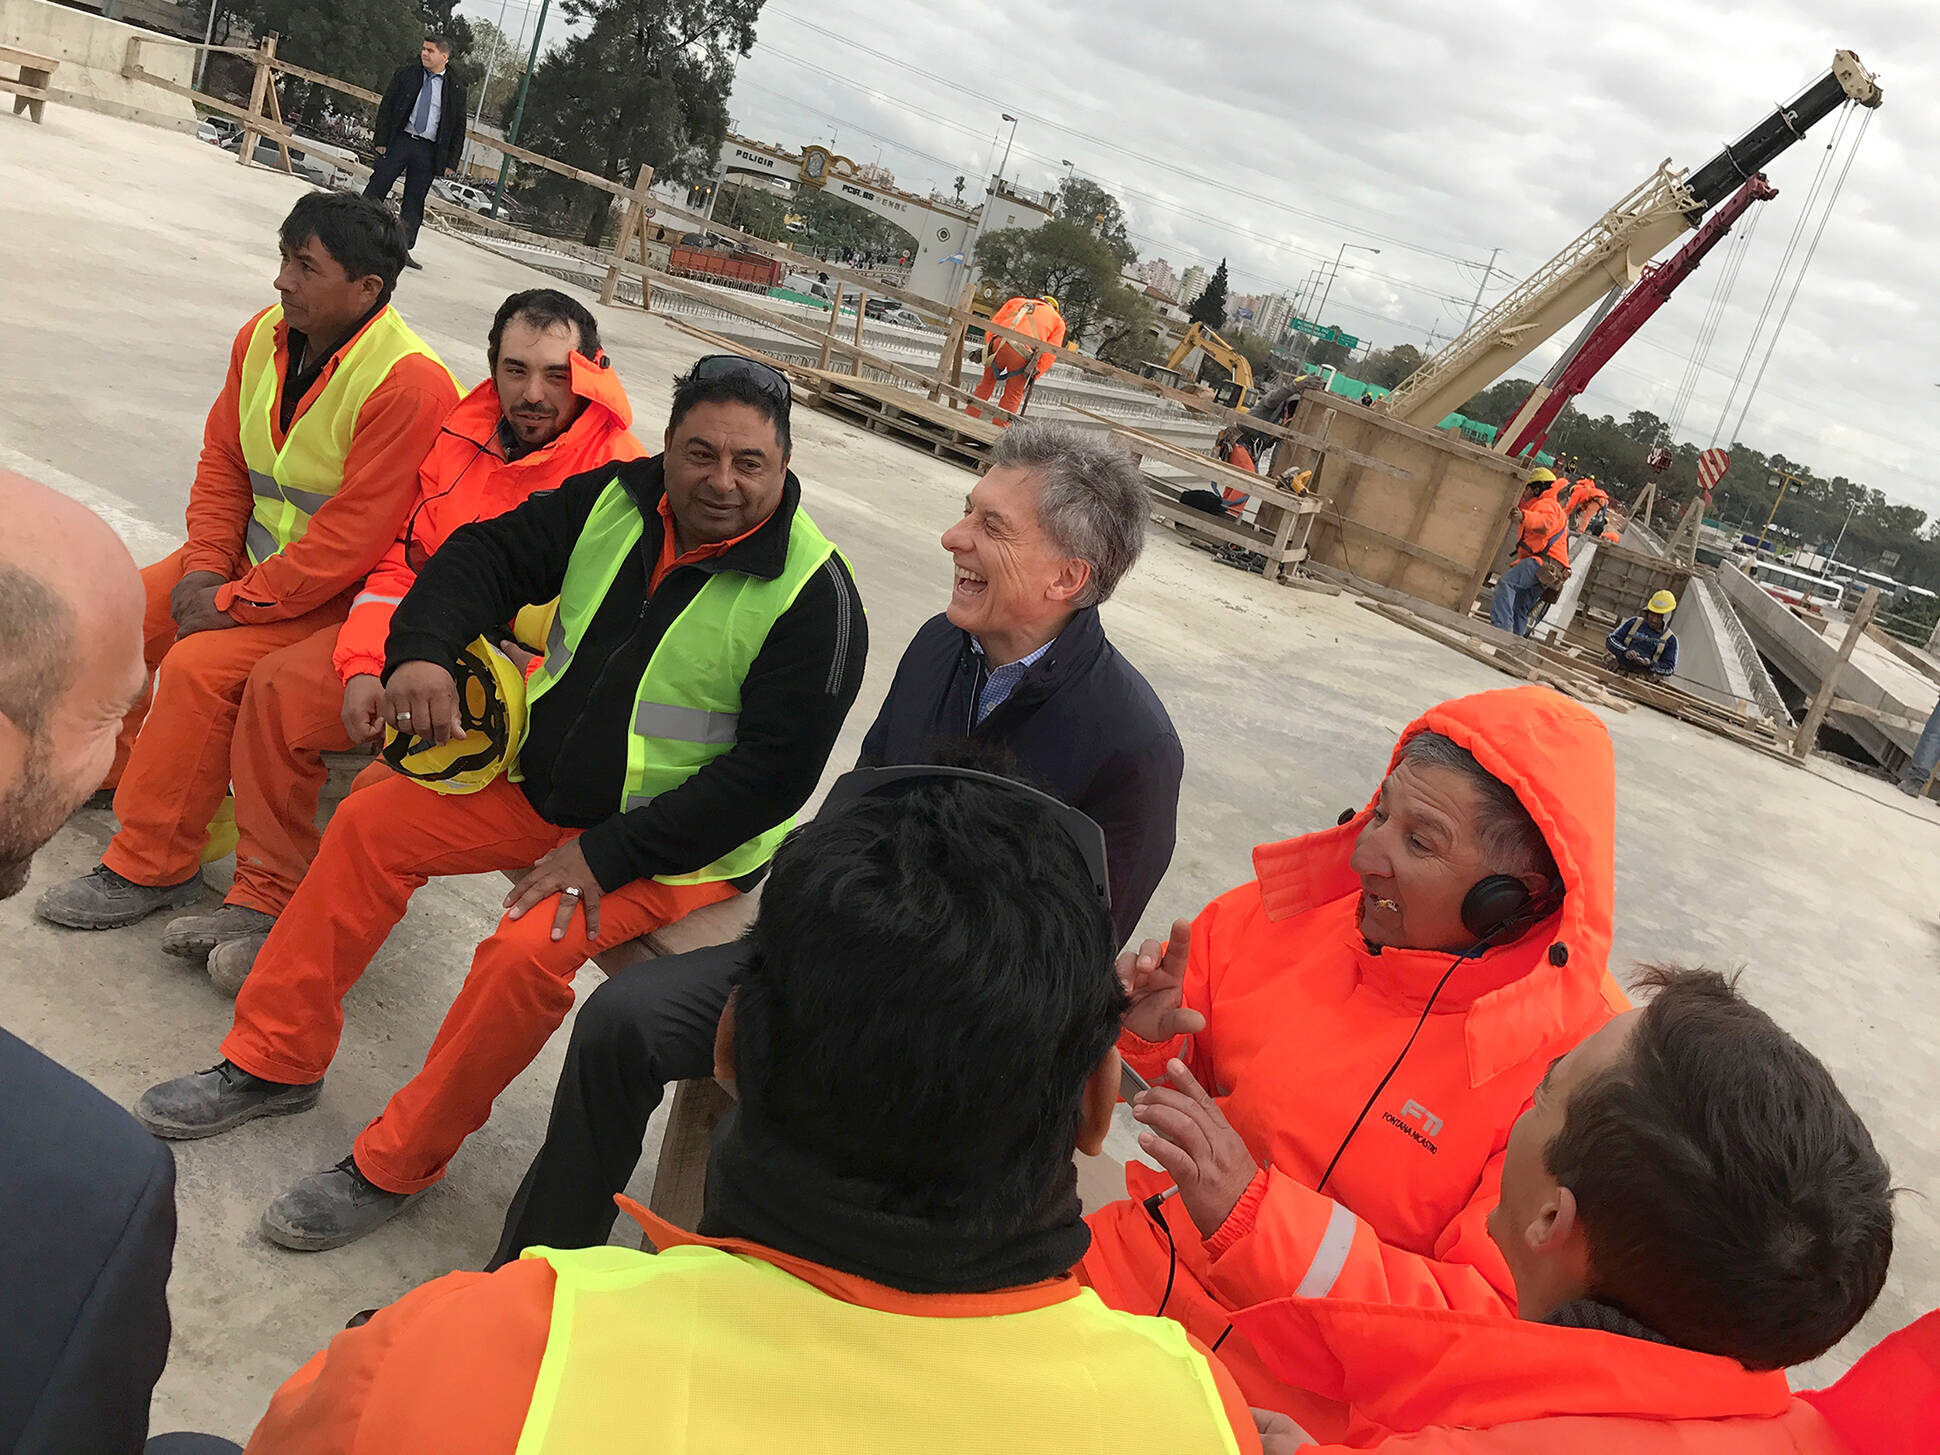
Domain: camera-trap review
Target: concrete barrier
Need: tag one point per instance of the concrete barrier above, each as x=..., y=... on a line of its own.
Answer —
x=90, y=50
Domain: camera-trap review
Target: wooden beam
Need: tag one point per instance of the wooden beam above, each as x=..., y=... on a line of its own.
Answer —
x=632, y=225
x=245, y=143
x=1905, y=653
x=1368, y=461
x=213, y=103
x=1808, y=734
x=1846, y=707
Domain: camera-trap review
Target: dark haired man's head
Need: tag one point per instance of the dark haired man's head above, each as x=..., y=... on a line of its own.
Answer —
x=930, y=1004
x=530, y=349
x=727, y=449
x=435, y=54
x=341, y=258
x=1694, y=1167
x=70, y=614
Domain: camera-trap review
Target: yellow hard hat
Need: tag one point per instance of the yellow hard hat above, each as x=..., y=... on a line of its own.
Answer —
x=1663, y=603
x=491, y=705
x=1541, y=477
x=1050, y=300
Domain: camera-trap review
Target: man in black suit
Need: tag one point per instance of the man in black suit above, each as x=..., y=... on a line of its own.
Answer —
x=420, y=131
x=87, y=1200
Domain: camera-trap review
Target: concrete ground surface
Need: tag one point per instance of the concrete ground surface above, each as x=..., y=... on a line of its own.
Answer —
x=128, y=259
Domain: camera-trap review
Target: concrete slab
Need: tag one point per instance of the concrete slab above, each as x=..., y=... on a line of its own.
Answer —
x=132, y=255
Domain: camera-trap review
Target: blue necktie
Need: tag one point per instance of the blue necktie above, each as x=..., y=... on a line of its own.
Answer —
x=421, y=113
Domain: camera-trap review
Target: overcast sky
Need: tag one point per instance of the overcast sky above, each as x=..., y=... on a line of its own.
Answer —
x=1270, y=134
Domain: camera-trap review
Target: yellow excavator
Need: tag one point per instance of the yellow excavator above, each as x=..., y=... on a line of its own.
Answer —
x=1234, y=392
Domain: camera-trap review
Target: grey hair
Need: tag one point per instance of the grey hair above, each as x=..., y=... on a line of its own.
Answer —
x=38, y=666
x=1510, y=838
x=1090, y=498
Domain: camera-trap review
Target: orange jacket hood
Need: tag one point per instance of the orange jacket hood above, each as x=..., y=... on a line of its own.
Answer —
x=1555, y=755
x=1407, y=1369
x=607, y=408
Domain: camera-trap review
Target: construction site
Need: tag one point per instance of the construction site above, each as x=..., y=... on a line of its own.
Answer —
x=1758, y=826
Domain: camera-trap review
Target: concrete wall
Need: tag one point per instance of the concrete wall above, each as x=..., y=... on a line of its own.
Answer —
x=90, y=51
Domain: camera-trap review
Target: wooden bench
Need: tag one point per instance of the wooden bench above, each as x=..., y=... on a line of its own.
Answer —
x=30, y=91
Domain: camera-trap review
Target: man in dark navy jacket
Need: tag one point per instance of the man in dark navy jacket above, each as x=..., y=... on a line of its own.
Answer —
x=1017, y=667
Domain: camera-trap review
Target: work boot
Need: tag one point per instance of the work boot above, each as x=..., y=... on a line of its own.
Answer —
x=103, y=900
x=101, y=798
x=330, y=1209
x=216, y=1100
x=193, y=936
x=232, y=960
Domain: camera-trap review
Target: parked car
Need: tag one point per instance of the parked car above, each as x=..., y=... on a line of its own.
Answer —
x=907, y=318
x=217, y=130
x=463, y=194
x=317, y=172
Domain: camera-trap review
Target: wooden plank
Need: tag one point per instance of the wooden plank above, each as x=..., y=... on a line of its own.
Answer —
x=1808, y=734
x=861, y=317
x=733, y=346
x=1251, y=482
x=1392, y=542
x=215, y=103
x=11, y=56
x=1469, y=646
x=1232, y=532
x=1846, y=707
x=1905, y=653
x=1425, y=505
x=245, y=143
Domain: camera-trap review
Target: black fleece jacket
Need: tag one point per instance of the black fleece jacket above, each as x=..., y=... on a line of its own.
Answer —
x=1084, y=725
x=793, y=700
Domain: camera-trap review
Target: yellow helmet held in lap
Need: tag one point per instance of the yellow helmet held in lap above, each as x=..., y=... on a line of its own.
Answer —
x=491, y=706
x=1663, y=603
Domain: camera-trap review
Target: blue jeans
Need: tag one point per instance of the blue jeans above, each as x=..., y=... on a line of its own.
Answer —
x=1926, y=753
x=1517, y=591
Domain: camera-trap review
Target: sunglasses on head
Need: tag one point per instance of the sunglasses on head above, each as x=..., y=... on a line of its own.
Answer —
x=769, y=380
x=1083, y=834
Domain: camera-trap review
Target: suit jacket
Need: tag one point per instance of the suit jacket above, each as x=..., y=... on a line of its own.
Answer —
x=401, y=98
x=87, y=1208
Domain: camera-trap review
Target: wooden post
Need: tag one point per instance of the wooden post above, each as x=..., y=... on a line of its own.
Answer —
x=1822, y=699
x=861, y=311
x=1646, y=502
x=246, y=142
x=835, y=309
x=950, y=360
x=632, y=225
x=276, y=115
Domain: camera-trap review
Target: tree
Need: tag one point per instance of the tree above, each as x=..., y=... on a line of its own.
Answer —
x=1084, y=202
x=1060, y=258
x=1497, y=404
x=498, y=55
x=1127, y=329
x=1209, y=308
x=1646, y=428
x=645, y=83
x=360, y=41
x=1388, y=367
x=441, y=17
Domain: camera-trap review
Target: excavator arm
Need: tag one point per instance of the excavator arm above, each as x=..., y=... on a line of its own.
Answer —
x=1200, y=339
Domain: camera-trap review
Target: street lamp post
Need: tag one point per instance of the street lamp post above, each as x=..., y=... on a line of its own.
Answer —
x=1005, y=163
x=518, y=109
x=1320, y=313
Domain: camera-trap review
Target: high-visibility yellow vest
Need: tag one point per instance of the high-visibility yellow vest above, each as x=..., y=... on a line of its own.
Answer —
x=687, y=707
x=292, y=484
x=700, y=1350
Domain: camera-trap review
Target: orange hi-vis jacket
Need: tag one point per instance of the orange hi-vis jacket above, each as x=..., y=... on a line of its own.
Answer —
x=466, y=478
x=469, y=1364
x=1585, y=500
x=1431, y=1382
x=1034, y=316
x=1303, y=1020
x=1545, y=529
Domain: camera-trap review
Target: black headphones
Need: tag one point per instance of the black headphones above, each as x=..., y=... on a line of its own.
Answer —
x=1495, y=904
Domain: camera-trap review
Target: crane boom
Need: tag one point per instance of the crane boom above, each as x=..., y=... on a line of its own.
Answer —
x=1573, y=373
x=1613, y=251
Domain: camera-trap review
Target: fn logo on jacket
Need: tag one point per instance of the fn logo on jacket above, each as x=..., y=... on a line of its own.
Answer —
x=1418, y=1122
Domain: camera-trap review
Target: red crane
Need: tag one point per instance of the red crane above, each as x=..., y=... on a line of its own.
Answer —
x=1529, y=428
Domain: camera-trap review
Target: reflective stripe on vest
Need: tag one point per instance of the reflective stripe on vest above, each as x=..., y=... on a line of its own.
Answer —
x=700, y=1350
x=292, y=484
x=687, y=706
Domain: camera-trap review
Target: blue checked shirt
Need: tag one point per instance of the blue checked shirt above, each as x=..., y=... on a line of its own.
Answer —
x=1000, y=682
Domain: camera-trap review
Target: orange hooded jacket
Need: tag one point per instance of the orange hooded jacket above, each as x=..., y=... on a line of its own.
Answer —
x=1585, y=501
x=1429, y=1382
x=1302, y=1022
x=463, y=479
x=1545, y=529
x=1034, y=316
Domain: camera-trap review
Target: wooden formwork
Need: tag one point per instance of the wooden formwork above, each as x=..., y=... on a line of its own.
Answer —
x=1426, y=516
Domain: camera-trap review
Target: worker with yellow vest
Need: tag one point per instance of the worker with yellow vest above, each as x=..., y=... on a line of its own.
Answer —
x=309, y=463
x=922, y=1033
x=707, y=645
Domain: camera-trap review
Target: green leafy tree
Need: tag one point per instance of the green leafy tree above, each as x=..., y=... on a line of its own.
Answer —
x=360, y=41
x=1084, y=202
x=1126, y=332
x=1388, y=367
x=441, y=17
x=1209, y=307
x=1498, y=403
x=500, y=55
x=1060, y=258
x=644, y=82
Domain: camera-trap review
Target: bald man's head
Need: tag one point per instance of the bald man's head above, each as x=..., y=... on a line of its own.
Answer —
x=70, y=662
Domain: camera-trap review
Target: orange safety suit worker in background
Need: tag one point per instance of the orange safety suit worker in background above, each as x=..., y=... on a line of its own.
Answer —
x=1690, y=1207
x=1585, y=501
x=1543, y=533
x=884, y=1263
x=309, y=463
x=552, y=407
x=1015, y=365
x=708, y=643
x=1350, y=1036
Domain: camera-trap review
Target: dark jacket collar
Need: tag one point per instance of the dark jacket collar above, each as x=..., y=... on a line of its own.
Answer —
x=1077, y=647
x=762, y=555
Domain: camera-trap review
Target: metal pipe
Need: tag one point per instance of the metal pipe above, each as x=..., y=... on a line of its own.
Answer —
x=518, y=111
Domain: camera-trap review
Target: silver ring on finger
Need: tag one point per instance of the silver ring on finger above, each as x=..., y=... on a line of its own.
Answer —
x=572, y=889
x=404, y=717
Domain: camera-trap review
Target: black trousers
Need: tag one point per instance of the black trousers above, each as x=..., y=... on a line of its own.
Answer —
x=415, y=160
x=647, y=1026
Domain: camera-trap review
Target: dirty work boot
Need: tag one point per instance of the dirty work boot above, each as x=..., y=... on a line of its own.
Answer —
x=193, y=936
x=330, y=1209
x=215, y=1100
x=102, y=900
x=232, y=960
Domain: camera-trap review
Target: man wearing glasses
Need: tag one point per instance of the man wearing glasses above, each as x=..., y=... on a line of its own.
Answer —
x=708, y=644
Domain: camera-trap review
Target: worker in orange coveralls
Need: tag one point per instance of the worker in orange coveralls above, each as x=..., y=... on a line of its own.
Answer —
x=551, y=408
x=309, y=463
x=1012, y=364
x=1347, y=1038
